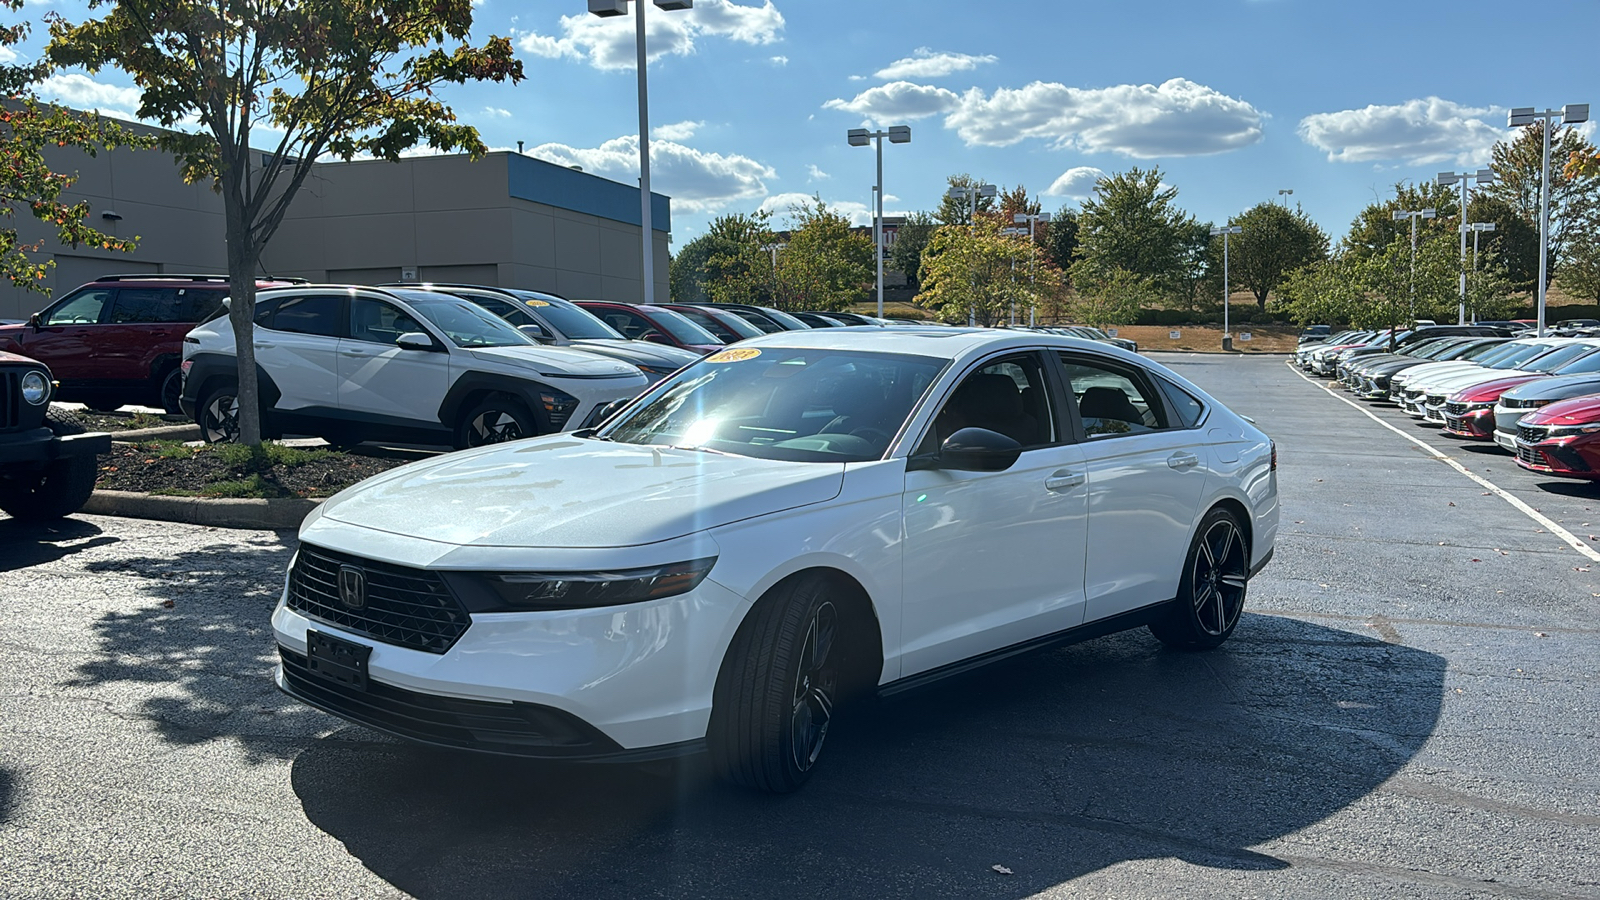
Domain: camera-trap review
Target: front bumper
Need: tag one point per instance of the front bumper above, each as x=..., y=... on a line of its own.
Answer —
x=1475, y=424
x=39, y=447
x=1569, y=457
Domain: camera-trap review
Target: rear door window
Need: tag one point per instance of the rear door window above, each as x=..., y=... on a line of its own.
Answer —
x=145, y=305
x=319, y=314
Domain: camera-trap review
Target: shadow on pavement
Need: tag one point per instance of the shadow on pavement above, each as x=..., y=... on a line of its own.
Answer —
x=1574, y=487
x=8, y=794
x=24, y=544
x=1054, y=765
x=203, y=635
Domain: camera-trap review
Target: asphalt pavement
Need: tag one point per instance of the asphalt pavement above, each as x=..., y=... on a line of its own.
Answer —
x=1409, y=709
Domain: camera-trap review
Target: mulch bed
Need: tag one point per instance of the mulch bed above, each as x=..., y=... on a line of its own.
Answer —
x=146, y=468
x=124, y=421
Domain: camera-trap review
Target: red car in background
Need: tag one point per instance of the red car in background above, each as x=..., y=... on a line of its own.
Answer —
x=118, y=340
x=656, y=324
x=1562, y=439
x=726, y=326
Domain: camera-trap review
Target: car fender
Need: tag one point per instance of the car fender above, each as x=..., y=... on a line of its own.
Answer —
x=473, y=382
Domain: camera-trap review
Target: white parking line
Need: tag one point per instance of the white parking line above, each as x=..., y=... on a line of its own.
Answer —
x=1495, y=489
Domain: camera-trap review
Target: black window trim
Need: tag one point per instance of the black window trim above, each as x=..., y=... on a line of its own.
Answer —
x=342, y=318
x=1135, y=374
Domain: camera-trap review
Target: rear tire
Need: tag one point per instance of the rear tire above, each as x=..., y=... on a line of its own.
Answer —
x=778, y=689
x=1211, y=593
x=62, y=488
x=169, y=391
x=495, y=420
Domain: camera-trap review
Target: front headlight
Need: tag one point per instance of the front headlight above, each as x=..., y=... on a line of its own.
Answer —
x=532, y=591
x=1574, y=430
x=657, y=371
x=35, y=388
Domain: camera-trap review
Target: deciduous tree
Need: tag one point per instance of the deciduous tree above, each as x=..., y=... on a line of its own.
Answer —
x=825, y=265
x=1132, y=223
x=314, y=78
x=1275, y=240
x=730, y=263
x=1574, y=196
x=910, y=239
x=980, y=272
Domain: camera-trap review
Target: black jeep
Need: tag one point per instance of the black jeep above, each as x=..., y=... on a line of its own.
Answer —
x=47, y=457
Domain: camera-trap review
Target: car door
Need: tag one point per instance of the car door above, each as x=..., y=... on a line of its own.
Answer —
x=299, y=350
x=67, y=333
x=381, y=382
x=1146, y=476
x=993, y=559
x=140, y=326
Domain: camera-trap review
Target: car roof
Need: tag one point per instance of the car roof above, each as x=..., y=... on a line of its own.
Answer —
x=942, y=342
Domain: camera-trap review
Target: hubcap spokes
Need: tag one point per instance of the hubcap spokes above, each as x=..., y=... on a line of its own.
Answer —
x=222, y=419
x=815, y=683
x=1221, y=571
x=495, y=427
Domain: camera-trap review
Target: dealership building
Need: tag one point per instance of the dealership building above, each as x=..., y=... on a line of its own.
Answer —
x=506, y=219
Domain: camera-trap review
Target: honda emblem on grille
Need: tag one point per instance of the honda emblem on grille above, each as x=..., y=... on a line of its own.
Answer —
x=353, y=587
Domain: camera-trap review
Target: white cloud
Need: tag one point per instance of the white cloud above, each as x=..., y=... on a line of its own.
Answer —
x=677, y=131
x=780, y=60
x=898, y=100
x=1077, y=182
x=609, y=43
x=1175, y=118
x=925, y=63
x=858, y=213
x=495, y=112
x=696, y=180
x=815, y=174
x=83, y=92
x=1419, y=132
x=7, y=55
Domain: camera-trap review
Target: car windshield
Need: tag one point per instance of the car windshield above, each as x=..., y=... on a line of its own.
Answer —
x=1471, y=351
x=1522, y=357
x=1431, y=349
x=574, y=323
x=682, y=330
x=802, y=405
x=466, y=324
x=731, y=329
x=1588, y=361
x=1508, y=351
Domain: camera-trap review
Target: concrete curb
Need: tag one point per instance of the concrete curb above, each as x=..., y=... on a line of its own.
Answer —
x=261, y=515
x=189, y=432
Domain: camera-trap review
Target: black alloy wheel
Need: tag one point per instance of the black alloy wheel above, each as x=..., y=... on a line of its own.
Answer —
x=218, y=415
x=816, y=687
x=1211, y=593
x=495, y=421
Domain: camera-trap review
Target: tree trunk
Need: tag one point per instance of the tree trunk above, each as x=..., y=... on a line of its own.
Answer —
x=243, y=258
x=1261, y=299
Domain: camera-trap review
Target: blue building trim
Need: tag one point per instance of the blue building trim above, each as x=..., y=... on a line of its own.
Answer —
x=538, y=181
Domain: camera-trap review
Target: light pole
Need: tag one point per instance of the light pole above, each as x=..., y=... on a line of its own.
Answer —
x=1281, y=194
x=861, y=137
x=1483, y=177
x=1032, y=219
x=1227, y=335
x=972, y=192
x=606, y=9
x=1414, y=215
x=1571, y=114
x=1477, y=229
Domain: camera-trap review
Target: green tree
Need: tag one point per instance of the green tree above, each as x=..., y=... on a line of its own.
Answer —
x=980, y=272
x=1061, y=239
x=910, y=239
x=958, y=210
x=332, y=78
x=1132, y=223
x=1375, y=228
x=730, y=263
x=1515, y=239
x=28, y=184
x=1275, y=240
x=1103, y=297
x=825, y=264
x=1574, y=196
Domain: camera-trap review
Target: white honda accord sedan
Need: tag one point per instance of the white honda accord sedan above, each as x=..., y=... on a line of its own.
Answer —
x=803, y=519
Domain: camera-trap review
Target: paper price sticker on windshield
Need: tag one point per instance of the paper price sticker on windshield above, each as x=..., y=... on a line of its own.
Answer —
x=536, y=303
x=738, y=354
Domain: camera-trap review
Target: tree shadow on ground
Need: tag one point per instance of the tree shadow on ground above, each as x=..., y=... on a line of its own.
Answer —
x=1054, y=765
x=25, y=544
x=203, y=643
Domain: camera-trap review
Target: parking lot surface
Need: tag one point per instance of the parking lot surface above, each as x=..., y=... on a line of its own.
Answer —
x=1408, y=709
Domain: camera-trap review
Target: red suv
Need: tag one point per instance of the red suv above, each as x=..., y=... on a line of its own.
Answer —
x=118, y=340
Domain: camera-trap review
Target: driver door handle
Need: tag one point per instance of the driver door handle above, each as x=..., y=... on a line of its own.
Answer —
x=1183, y=460
x=1063, y=481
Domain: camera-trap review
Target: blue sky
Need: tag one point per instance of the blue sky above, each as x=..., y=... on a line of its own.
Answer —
x=1235, y=100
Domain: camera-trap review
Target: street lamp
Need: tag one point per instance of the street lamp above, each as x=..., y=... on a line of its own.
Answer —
x=1477, y=229
x=1227, y=336
x=1483, y=177
x=1032, y=219
x=1571, y=114
x=861, y=137
x=606, y=9
x=1284, y=191
x=971, y=193
x=1414, y=215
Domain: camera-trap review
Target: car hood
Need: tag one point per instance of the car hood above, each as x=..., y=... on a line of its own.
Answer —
x=1577, y=411
x=1484, y=391
x=1432, y=373
x=638, y=352
x=1556, y=387
x=558, y=361
x=560, y=491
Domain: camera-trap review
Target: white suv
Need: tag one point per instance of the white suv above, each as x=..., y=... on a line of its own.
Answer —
x=352, y=364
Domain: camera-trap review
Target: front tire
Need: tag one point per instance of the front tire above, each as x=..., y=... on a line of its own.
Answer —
x=218, y=415
x=776, y=696
x=62, y=488
x=1211, y=593
x=495, y=421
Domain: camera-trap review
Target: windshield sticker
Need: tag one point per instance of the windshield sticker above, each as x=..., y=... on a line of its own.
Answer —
x=536, y=303
x=737, y=354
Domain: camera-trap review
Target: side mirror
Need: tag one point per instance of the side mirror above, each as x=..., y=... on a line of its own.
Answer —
x=973, y=450
x=537, y=333
x=414, y=340
x=656, y=337
x=35, y=321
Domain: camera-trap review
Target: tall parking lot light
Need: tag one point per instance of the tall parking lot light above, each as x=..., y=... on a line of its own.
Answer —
x=861, y=137
x=1571, y=114
x=1227, y=335
x=1282, y=193
x=1482, y=177
x=1414, y=215
x=607, y=9
x=1477, y=229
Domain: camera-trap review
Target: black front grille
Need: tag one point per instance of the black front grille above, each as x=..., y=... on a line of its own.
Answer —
x=522, y=729
x=403, y=606
x=1533, y=434
x=1529, y=455
x=10, y=399
x=1455, y=409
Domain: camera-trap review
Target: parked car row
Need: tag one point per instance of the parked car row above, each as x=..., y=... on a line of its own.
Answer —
x=1538, y=398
